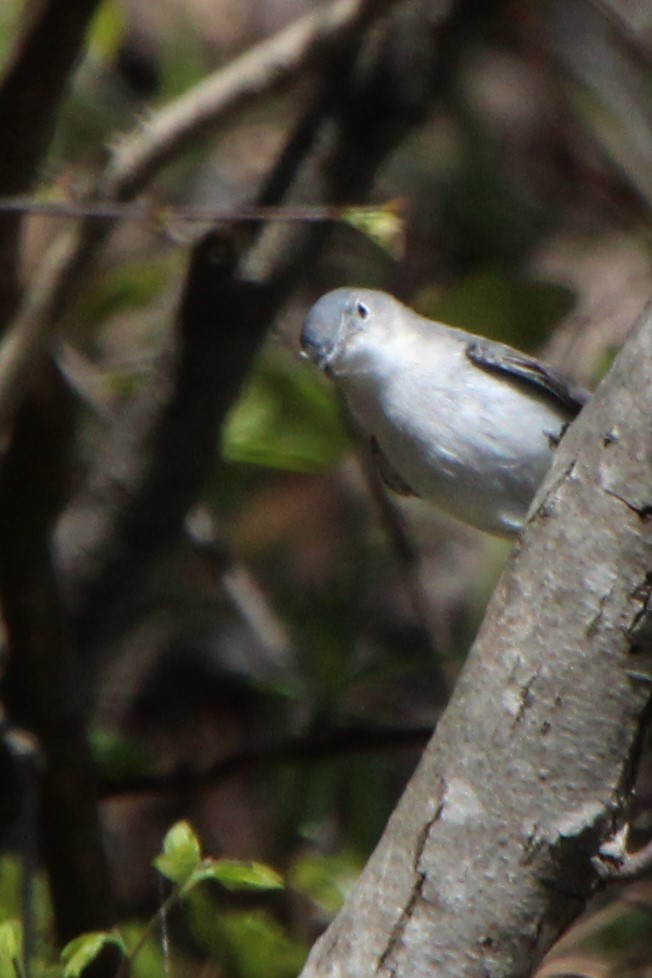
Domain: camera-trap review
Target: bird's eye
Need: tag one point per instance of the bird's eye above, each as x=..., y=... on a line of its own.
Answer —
x=362, y=310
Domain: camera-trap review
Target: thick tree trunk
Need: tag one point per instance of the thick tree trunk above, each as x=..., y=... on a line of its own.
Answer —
x=489, y=853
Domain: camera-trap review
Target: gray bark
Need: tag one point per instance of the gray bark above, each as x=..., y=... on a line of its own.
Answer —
x=490, y=852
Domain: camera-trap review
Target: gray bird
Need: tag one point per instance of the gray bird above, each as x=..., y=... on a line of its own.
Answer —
x=464, y=422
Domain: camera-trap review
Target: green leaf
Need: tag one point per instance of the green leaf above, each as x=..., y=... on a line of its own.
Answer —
x=147, y=959
x=183, y=61
x=181, y=854
x=287, y=418
x=246, y=944
x=11, y=940
x=81, y=951
x=261, y=947
x=10, y=12
x=326, y=880
x=384, y=225
x=117, y=756
x=235, y=874
x=129, y=286
x=107, y=30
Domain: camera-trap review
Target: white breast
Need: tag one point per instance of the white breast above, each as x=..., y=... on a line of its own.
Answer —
x=471, y=442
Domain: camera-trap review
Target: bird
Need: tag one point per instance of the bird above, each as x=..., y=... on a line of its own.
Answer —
x=466, y=423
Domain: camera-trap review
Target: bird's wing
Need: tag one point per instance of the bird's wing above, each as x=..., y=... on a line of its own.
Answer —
x=503, y=360
x=388, y=473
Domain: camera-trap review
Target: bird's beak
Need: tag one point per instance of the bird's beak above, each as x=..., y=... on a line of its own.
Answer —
x=315, y=345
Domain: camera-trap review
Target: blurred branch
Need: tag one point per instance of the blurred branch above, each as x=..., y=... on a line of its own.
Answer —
x=374, y=91
x=295, y=750
x=141, y=156
x=134, y=511
x=31, y=90
x=160, y=450
x=632, y=19
x=158, y=216
x=271, y=638
x=490, y=853
x=43, y=686
x=607, y=73
x=262, y=69
x=403, y=549
x=26, y=343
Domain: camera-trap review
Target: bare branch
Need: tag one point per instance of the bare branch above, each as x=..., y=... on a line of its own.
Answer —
x=33, y=84
x=26, y=343
x=159, y=452
x=30, y=92
x=262, y=69
x=156, y=215
x=490, y=852
x=44, y=686
x=101, y=568
x=142, y=155
x=295, y=750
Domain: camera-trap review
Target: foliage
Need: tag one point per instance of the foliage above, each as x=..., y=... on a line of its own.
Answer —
x=249, y=936
x=82, y=951
x=286, y=418
x=11, y=948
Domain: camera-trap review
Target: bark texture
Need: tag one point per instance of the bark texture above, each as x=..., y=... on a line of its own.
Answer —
x=489, y=853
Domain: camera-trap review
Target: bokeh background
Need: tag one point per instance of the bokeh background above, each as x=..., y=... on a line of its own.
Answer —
x=243, y=628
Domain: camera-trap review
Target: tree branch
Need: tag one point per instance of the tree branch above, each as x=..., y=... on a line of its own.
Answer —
x=99, y=568
x=142, y=155
x=295, y=750
x=30, y=92
x=160, y=451
x=260, y=70
x=490, y=852
x=43, y=684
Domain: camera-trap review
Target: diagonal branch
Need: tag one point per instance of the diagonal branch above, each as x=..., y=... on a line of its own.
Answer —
x=33, y=84
x=363, y=72
x=261, y=70
x=142, y=155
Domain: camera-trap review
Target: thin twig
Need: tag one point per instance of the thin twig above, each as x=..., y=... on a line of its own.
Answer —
x=270, y=635
x=157, y=215
x=126, y=965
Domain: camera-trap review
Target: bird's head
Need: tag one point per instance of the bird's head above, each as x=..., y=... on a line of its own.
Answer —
x=347, y=329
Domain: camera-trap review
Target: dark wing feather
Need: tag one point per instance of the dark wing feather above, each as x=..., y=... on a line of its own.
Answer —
x=503, y=360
